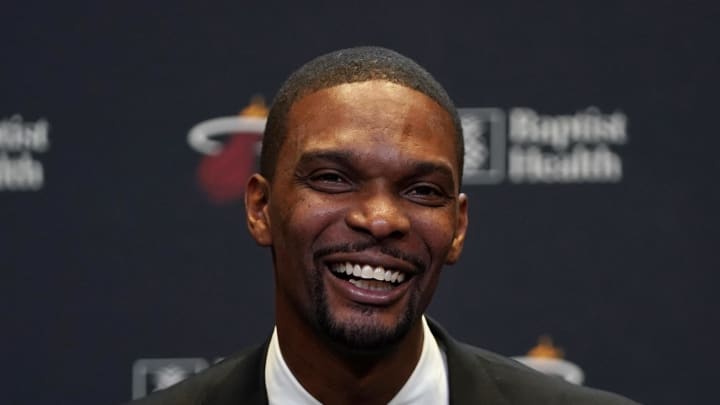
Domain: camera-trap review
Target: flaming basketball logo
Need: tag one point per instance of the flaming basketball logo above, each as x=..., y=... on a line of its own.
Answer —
x=229, y=162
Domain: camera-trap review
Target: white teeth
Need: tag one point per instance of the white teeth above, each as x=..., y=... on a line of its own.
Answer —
x=368, y=286
x=368, y=272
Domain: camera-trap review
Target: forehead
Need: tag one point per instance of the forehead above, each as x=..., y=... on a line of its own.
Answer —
x=362, y=116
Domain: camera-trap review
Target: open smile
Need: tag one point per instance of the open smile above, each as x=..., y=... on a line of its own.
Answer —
x=368, y=277
x=368, y=284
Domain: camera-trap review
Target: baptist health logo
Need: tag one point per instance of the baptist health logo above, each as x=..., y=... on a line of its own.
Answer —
x=19, y=142
x=524, y=146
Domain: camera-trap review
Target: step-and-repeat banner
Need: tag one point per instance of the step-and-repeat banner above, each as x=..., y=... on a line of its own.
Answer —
x=127, y=131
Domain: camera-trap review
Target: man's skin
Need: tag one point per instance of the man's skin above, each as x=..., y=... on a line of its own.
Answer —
x=368, y=174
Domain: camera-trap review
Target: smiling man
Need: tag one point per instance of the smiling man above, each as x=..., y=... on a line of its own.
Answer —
x=359, y=201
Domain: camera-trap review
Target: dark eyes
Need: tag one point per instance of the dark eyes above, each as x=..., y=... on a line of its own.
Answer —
x=330, y=182
x=427, y=194
x=334, y=182
x=424, y=190
x=328, y=177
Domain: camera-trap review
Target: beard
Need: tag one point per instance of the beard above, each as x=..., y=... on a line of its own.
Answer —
x=360, y=332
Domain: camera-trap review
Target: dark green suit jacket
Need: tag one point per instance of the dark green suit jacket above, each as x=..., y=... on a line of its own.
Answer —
x=475, y=376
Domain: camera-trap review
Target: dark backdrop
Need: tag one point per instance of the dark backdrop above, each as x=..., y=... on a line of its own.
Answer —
x=121, y=256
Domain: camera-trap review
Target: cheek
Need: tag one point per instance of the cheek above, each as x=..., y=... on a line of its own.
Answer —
x=303, y=224
x=437, y=232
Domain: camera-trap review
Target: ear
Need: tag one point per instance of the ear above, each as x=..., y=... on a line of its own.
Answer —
x=257, y=198
x=462, y=224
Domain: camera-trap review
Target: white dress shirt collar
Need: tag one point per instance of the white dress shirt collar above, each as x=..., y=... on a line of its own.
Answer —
x=427, y=385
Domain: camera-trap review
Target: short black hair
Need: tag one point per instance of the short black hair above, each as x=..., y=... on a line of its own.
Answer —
x=350, y=66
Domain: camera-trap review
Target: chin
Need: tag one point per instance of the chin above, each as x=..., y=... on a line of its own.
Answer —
x=363, y=328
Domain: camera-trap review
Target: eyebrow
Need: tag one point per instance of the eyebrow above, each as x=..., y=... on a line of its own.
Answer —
x=348, y=159
x=340, y=157
x=423, y=168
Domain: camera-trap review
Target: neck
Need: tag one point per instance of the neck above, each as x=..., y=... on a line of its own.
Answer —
x=335, y=375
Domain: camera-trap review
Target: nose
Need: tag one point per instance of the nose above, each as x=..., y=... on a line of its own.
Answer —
x=378, y=213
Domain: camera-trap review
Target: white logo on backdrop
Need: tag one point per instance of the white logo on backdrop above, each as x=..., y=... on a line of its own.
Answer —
x=204, y=137
x=149, y=375
x=484, y=137
x=19, y=141
x=565, y=148
x=576, y=148
x=564, y=369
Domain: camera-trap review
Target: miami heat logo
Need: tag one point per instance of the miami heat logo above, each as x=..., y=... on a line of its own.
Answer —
x=230, y=146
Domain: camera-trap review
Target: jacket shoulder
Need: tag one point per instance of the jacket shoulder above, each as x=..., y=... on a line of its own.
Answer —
x=238, y=377
x=523, y=385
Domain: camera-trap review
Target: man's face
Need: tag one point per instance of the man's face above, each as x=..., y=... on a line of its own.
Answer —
x=364, y=211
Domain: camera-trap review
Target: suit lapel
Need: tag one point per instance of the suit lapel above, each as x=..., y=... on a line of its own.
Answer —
x=245, y=384
x=468, y=379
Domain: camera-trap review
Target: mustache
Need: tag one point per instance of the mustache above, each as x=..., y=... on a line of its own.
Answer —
x=360, y=246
